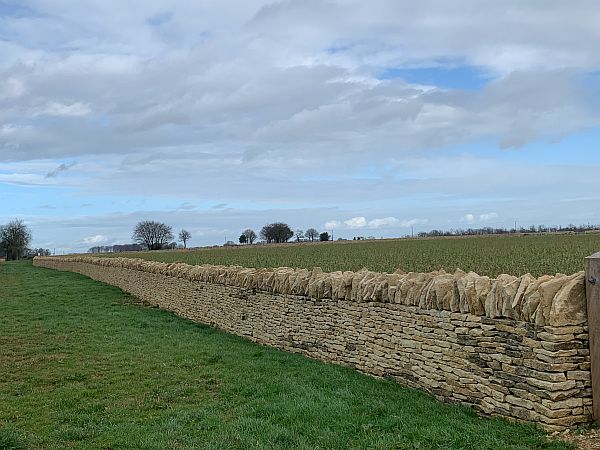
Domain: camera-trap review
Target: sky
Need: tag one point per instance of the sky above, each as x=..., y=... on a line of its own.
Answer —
x=359, y=118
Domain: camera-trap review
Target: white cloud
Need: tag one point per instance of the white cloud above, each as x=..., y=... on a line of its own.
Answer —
x=488, y=216
x=469, y=218
x=393, y=222
x=76, y=109
x=356, y=222
x=385, y=222
x=97, y=239
x=362, y=222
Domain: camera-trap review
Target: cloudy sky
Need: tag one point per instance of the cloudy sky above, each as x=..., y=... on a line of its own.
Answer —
x=365, y=118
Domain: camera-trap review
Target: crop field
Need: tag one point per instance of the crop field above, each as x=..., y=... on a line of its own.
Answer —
x=490, y=255
x=84, y=366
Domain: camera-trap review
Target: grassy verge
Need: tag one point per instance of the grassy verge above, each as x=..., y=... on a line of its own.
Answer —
x=490, y=255
x=83, y=366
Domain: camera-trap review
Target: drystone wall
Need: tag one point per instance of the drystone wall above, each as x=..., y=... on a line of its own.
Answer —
x=510, y=346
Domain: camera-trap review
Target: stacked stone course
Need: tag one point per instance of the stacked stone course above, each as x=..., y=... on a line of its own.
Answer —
x=510, y=346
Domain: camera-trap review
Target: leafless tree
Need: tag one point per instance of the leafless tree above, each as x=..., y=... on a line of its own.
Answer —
x=14, y=239
x=184, y=236
x=311, y=234
x=299, y=234
x=250, y=236
x=153, y=235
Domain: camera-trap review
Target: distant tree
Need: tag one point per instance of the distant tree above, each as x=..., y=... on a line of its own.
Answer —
x=184, y=236
x=154, y=235
x=311, y=234
x=118, y=248
x=277, y=232
x=299, y=234
x=243, y=239
x=14, y=239
x=250, y=236
x=266, y=233
x=324, y=236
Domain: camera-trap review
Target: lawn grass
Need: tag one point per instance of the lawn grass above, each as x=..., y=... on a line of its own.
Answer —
x=84, y=366
x=539, y=255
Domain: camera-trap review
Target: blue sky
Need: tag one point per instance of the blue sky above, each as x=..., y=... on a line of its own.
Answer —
x=364, y=119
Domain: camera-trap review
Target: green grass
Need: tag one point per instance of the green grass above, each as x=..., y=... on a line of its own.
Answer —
x=83, y=366
x=492, y=255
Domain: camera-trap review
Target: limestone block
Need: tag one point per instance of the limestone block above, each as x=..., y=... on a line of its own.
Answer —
x=569, y=305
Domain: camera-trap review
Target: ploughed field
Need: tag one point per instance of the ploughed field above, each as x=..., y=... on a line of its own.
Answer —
x=84, y=366
x=489, y=255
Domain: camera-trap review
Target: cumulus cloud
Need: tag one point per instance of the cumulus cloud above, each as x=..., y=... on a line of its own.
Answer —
x=356, y=222
x=384, y=222
x=488, y=216
x=394, y=222
x=469, y=218
x=97, y=239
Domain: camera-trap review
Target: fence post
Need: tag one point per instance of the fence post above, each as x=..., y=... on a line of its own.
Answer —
x=592, y=289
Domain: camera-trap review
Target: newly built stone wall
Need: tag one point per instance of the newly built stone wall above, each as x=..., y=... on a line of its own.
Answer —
x=510, y=346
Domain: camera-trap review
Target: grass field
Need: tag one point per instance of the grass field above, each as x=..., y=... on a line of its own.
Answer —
x=83, y=366
x=492, y=255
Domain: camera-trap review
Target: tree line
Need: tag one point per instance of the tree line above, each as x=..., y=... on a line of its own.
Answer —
x=153, y=235
x=532, y=229
x=279, y=232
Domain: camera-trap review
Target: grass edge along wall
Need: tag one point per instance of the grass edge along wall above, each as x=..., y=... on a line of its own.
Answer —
x=511, y=346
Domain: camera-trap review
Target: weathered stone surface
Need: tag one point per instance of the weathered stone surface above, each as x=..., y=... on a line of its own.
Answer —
x=569, y=305
x=531, y=299
x=548, y=291
x=473, y=290
x=512, y=346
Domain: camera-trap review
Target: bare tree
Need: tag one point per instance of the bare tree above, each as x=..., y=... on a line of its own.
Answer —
x=311, y=234
x=184, y=236
x=14, y=239
x=250, y=236
x=299, y=234
x=153, y=235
